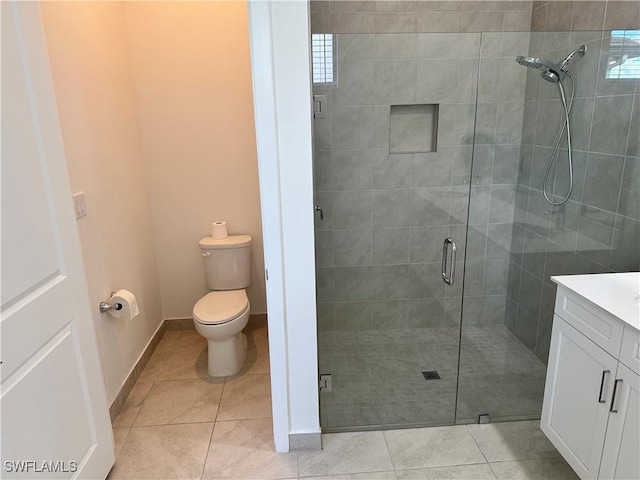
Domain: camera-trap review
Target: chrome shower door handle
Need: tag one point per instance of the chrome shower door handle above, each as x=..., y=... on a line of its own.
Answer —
x=454, y=250
x=449, y=246
x=445, y=251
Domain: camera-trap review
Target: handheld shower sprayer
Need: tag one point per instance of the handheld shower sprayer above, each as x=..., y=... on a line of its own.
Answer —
x=551, y=72
x=556, y=73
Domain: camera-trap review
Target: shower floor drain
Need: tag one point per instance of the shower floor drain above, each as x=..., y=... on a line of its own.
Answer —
x=431, y=375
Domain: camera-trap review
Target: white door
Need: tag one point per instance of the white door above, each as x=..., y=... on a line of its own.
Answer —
x=621, y=456
x=580, y=378
x=55, y=419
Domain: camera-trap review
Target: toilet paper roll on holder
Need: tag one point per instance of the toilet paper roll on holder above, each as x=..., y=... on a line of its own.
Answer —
x=106, y=306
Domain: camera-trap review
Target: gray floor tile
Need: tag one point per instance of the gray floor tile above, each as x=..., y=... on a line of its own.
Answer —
x=168, y=339
x=432, y=447
x=390, y=475
x=480, y=471
x=155, y=365
x=188, y=338
x=344, y=453
x=119, y=436
x=512, y=441
x=133, y=404
x=243, y=449
x=183, y=362
x=246, y=396
x=181, y=401
x=543, y=469
x=167, y=452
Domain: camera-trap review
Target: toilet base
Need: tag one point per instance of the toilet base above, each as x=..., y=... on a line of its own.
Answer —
x=226, y=357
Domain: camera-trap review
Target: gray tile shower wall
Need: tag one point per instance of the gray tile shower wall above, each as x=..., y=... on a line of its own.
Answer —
x=566, y=15
x=598, y=229
x=405, y=16
x=386, y=215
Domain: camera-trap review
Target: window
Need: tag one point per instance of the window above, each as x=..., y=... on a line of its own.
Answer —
x=323, y=58
x=624, y=54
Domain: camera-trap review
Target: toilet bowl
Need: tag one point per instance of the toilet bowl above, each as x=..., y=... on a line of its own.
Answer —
x=220, y=317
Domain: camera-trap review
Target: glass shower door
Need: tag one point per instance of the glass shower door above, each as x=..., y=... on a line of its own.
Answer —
x=393, y=148
x=498, y=375
x=516, y=239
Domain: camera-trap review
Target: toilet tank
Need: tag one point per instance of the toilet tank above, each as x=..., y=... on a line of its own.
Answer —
x=227, y=262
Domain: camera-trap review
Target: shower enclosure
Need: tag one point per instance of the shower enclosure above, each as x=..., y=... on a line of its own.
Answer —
x=434, y=242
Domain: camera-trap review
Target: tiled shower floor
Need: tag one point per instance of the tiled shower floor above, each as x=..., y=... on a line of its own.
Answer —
x=377, y=379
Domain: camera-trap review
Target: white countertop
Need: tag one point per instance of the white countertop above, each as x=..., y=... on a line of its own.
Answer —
x=614, y=292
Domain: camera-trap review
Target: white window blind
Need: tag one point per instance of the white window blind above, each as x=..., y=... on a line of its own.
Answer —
x=624, y=54
x=322, y=53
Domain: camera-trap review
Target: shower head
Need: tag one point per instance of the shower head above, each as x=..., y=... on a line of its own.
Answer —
x=550, y=71
x=553, y=76
x=534, y=62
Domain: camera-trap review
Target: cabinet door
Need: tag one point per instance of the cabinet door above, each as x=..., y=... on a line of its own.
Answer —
x=580, y=375
x=621, y=455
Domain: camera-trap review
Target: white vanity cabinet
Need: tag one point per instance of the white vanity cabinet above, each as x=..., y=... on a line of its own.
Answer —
x=591, y=408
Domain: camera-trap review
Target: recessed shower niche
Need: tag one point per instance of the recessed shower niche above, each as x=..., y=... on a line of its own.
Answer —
x=413, y=128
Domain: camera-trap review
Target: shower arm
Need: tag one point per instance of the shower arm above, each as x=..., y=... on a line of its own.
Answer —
x=578, y=51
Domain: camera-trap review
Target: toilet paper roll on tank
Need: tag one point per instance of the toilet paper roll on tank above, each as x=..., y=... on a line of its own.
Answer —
x=129, y=305
x=219, y=229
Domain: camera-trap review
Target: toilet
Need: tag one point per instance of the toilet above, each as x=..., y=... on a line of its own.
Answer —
x=221, y=315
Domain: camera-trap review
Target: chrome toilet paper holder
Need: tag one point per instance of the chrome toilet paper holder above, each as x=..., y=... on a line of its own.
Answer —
x=106, y=306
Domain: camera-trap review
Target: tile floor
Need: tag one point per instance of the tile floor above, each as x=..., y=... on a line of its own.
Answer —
x=180, y=424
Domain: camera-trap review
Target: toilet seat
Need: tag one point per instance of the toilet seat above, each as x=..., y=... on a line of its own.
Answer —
x=221, y=307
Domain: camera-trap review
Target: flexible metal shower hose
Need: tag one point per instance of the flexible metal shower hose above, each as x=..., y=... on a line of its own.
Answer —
x=554, y=156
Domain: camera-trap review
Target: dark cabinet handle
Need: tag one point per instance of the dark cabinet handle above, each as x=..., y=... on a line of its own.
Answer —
x=604, y=374
x=613, y=397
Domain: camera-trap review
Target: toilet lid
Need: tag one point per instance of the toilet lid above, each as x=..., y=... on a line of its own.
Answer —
x=221, y=306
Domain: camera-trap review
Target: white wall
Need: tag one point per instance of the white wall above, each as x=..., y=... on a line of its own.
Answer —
x=88, y=54
x=280, y=60
x=192, y=76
